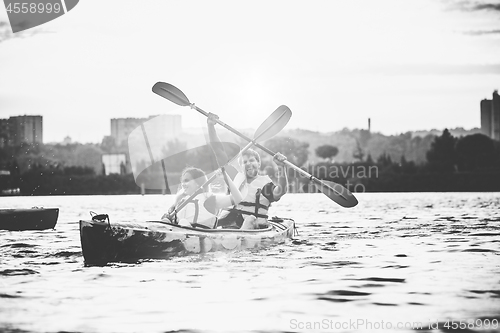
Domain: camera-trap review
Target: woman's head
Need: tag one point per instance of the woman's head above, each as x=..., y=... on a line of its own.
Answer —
x=192, y=179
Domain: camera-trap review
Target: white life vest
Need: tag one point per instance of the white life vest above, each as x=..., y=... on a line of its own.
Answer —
x=254, y=203
x=195, y=212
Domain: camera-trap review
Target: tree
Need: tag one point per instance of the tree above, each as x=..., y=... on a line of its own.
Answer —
x=358, y=154
x=475, y=151
x=79, y=170
x=364, y=137
x=442, y=156
x=108, y=144
x=295, y=150
x=384, y=160
x=87, y=155
x=327, y=152
x=407, y=167
x=369, y=159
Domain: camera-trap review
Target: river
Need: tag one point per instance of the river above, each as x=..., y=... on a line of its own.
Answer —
x=397, y=261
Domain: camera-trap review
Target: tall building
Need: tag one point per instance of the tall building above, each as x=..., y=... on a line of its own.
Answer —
x=19, y=129
x=486, y=123
x=495, y=111
x=122, y=127
x=4, y=132
x=490, y=116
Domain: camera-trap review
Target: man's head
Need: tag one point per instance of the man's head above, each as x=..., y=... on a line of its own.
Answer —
x=251, y=163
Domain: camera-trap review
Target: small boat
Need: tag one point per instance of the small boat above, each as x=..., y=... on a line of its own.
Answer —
x=104, y=242
x=28, y=219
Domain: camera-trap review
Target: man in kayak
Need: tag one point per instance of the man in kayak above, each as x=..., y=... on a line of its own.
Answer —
x=252, y=211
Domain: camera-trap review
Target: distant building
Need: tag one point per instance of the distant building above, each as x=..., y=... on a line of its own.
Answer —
x=490, y=116
x=4, y=132
x=19, y=129
x=67, y=141
x=114, y=163
x=122, y=127
x=486, y=114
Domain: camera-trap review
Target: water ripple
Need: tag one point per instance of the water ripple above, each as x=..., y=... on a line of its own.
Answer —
x=381, y=279
x=12, y=272
x=394, y=257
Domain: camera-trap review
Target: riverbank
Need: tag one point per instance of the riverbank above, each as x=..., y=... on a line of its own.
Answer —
x=46, y=184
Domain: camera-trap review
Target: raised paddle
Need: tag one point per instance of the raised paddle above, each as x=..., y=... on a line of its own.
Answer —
x=176, y=96
x=269, y=128
x=334, y=191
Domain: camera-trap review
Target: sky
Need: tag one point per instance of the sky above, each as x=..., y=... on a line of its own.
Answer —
x=406, y=64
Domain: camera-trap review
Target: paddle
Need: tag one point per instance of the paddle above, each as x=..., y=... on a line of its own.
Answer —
x=332, y=190
x=173, y=94
x=269, y=128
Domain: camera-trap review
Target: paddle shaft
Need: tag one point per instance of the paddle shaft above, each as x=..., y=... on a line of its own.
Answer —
x=211, y=179
x=270, y=152
x=176, y=96
x=226, y=126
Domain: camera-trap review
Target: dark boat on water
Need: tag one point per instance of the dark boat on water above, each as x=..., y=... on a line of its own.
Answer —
x=28, y=219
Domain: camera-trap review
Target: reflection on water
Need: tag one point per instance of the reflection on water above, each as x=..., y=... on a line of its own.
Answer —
x=393, y=261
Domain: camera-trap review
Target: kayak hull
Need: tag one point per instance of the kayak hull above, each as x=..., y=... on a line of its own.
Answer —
x=103, y=242
x=28, y=219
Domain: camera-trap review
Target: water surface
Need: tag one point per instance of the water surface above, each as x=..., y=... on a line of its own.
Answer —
x=395, y=260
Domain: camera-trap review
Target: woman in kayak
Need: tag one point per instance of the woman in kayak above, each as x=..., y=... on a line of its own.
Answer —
x=201, y=211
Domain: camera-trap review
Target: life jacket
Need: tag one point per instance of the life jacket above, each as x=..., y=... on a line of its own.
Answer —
x=254, y=202
x=196, y=213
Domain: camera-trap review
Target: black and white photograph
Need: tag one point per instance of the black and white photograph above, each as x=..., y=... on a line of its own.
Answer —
x=249, y=166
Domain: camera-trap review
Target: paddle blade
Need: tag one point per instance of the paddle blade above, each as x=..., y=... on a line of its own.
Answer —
x=165, y=171
x=211, y=205
x=336, y=192
x=171, y=93
x=273, y=124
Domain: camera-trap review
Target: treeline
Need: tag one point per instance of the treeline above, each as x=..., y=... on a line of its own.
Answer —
x=73, y=169
x=40, y=183
x=413, y=145
x=72, y=158
x=468, y=163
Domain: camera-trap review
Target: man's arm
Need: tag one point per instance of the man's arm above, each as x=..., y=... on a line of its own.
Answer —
x=217, y=147
x=282, y=178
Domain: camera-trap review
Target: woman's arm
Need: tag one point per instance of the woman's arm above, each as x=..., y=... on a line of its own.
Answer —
x=178, y=197
x=224, y=201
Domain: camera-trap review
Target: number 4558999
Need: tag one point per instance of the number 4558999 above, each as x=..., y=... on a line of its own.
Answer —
x=33, y=7
x=472, y=324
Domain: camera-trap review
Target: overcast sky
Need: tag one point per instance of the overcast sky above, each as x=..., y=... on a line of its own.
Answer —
x=408, y=65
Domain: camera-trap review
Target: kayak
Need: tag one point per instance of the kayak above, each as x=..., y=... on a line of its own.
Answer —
x=103, y=242
x=28, y=219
